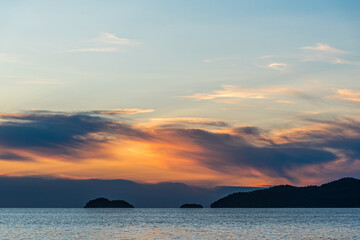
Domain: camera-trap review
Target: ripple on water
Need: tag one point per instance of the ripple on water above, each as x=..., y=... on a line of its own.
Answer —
x=300, y=223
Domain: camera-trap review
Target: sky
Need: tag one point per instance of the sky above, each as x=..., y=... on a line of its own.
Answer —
x=207, y=93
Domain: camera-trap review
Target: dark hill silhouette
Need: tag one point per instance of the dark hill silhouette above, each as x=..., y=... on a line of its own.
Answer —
x=344, y=192
x=106, y=203
x=191, y=205
x=74, y=193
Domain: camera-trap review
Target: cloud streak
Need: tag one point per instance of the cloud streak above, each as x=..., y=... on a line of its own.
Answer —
x=348, y=95
x=277, y=66
x=8, y=156
x=319, y=52
x=124, y=111
x=107, y=43
x=321, y=47
x=111, y=39
x=230, y=91
x=229, y=94
x=187, y=122
x=343, y=61
x=324, y=53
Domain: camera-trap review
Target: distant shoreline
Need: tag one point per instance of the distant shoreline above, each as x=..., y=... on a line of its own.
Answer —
x=342, y=193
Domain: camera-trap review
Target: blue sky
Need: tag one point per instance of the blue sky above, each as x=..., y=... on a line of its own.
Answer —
x=269, y=64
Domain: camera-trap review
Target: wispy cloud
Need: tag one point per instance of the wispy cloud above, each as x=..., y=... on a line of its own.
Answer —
x=285, y=102
x=106, y=43
x=319, y=52
x=324, y=53
x=115, y=111
x=347, y=95
x=251, y=97
x=230, y=91
x=277, y=66
x=124, y=111
x=343, y=61
x=274, y=62
x=8, y=156
x=186, y=122
x=111, y=39
x=321, y=47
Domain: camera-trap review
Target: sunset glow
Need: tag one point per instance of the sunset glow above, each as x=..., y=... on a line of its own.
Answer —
x=203, y=93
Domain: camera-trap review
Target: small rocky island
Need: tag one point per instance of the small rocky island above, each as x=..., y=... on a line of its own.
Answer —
x=106, y=203
x=191, y=205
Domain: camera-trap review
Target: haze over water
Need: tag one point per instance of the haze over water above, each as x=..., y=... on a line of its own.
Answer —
x=171, y=223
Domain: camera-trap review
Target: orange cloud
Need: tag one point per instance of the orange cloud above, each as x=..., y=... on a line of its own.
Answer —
x=230, y=91
x=347, y=95
x=123, y=111
x=83, y=146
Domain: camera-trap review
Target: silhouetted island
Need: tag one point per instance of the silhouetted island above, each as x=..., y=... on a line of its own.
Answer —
x=344, y=192
x=106, y=203
x=191, y=205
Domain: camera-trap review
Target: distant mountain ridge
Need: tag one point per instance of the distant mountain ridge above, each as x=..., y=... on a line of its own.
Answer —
x=344, y=192
x=39, y=192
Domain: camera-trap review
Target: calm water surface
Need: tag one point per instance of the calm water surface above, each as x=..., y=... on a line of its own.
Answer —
x=179, y=223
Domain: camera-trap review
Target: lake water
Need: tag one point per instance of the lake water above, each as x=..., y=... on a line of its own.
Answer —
x=205, y=223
